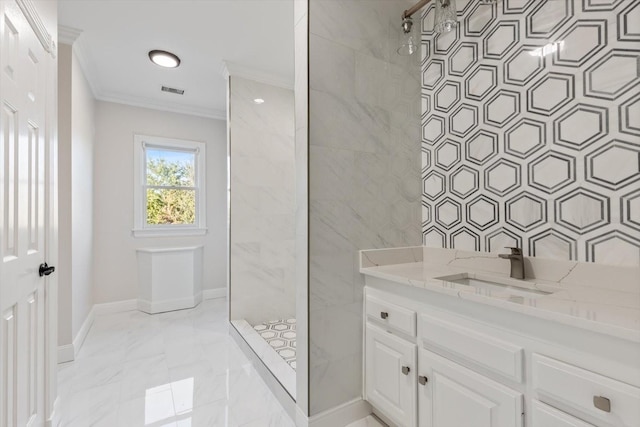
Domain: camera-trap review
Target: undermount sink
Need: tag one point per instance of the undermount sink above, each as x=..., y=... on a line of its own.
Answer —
x=514, y=287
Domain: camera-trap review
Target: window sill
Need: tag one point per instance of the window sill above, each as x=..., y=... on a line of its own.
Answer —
x=168, y=232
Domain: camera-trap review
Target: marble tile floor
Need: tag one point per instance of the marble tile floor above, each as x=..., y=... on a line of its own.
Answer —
x=173, y=369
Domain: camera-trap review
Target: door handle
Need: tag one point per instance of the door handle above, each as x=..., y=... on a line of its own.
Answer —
x=423, y=379
x=45, y=269
x=384, y=314
x=406, y=370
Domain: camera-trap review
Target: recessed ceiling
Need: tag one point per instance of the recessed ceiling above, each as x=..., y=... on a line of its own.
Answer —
x=117, y=36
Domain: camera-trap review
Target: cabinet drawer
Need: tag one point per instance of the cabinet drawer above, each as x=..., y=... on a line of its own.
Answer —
x=575, y=388
x=391, y=315
x=545, y=416
x=473, y=345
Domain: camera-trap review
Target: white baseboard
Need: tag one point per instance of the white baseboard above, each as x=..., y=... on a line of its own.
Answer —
x=54, y=418
x=66, y=353
x=115, y=307
x=153, y=307
x=339, y=416
x=214, y=293
x=84, y=330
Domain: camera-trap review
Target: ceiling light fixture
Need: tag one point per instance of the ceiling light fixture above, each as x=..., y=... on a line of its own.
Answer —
x=164, y=58
x=258, y=101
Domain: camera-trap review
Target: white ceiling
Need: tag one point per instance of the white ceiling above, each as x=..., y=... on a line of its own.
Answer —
x=254, y=35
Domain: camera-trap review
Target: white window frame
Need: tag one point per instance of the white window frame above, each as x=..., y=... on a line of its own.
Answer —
x=141, y=228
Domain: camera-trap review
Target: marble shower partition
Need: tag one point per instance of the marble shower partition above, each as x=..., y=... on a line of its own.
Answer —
x=262, y=201
x=531, y=129
x=364, y=175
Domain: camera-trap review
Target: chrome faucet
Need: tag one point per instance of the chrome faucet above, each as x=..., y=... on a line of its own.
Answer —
x=517, y=262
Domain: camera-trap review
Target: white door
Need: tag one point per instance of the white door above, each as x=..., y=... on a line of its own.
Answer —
x=454, y=396
x=390, y=375
x=27, y=233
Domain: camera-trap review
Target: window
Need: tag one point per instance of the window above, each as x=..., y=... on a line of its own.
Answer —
x=169, y=187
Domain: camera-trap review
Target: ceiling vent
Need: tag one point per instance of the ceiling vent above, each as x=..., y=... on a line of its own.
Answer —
x=173, y=90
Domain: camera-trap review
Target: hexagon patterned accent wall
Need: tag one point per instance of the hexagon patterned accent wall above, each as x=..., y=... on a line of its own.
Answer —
x=531, y=129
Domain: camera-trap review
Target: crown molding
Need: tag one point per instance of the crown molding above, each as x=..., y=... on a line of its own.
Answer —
x=68, y=35
x=232, y=69
x=172, y=107
x=87, y=67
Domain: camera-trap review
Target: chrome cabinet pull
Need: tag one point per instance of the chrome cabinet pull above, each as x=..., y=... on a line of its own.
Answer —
x=384, y=314
x=406, y=370
x=602, y=403
x=423, y=380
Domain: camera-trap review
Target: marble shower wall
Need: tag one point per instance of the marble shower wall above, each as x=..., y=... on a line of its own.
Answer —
x=262, y=204
x=531, y=129
x=364, y=175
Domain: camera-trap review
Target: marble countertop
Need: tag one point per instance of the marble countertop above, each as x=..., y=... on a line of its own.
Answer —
x=604, y=299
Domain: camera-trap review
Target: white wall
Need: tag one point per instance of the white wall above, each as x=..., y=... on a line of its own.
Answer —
x=76, y=137
x=64, y=195
x=82, y=150
x=115, y=272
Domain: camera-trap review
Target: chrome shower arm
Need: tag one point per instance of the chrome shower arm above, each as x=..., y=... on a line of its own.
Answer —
x=413, y=9
x=416, y=7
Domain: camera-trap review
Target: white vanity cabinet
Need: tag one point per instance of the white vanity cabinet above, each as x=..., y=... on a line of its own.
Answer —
x=428, y=390
x=426, y=366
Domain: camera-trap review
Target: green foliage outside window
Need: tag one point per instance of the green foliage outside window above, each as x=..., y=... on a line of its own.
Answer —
x=167, y=203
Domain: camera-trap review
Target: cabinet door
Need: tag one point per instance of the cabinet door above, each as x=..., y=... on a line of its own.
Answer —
x=390, y=375
x=454, y=396
x=545, y=416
